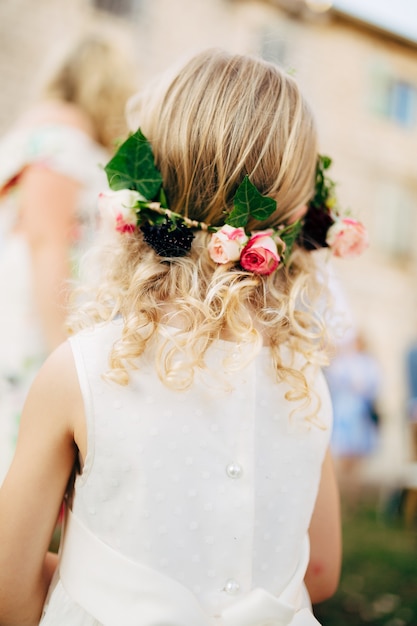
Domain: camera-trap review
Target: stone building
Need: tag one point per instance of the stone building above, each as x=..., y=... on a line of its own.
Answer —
x=362, y=84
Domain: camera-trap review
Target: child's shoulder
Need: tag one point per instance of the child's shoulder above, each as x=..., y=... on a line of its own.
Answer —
x=59, y=363
x=56, y=381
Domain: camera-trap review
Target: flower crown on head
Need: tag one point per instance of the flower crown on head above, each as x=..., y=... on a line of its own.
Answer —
x=138, y=202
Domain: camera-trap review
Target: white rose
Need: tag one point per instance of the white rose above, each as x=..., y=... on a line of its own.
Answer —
x=227, y=243
x=118, y=207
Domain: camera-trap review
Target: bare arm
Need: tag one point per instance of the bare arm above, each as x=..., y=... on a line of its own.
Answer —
x=33, y=490
x=48, y=218
x=323, y=573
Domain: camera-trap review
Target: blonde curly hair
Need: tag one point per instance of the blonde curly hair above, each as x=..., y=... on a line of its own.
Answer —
x=220, y=117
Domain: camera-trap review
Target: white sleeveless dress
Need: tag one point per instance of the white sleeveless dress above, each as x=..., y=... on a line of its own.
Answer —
x=193, y=507
x=68, y=151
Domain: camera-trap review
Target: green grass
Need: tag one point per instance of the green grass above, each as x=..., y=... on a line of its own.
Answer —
x=378, y=585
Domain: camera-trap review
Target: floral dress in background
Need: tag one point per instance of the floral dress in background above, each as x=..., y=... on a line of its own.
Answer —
x=70, y=152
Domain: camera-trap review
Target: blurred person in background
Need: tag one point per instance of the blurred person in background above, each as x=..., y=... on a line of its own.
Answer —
x=410, y=494
x=354, y=380
x=411, y=373
x=50, y=176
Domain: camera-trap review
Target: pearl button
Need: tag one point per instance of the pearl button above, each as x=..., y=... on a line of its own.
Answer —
x=232, y=586
x=234, y=470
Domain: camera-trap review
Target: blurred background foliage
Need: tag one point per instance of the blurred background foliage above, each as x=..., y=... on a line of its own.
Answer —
x=378, y=582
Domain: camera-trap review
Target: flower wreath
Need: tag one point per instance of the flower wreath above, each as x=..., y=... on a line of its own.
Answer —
x=138, y=201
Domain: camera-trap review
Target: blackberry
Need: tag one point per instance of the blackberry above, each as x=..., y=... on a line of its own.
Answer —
x=168, y=239
x=317, y=222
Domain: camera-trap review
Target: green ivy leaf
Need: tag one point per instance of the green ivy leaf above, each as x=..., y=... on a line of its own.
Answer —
x=133, y=167
x=324, y=187
x=289, y=236
x=325, y=161
x=163, y=199
x=249, y=202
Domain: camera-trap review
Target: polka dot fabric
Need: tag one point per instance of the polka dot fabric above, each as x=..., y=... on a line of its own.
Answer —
x=213, y=487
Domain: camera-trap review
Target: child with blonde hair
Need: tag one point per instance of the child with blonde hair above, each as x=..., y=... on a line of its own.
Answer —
x=186, y=421
x=50, y=174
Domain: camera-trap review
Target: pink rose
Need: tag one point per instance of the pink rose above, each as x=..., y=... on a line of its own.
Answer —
x=119, y=208
x=260, y=255
x=347, y=238
x=226, y=244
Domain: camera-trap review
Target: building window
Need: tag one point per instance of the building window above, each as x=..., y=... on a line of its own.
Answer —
x=117, y=7
x=402, y=102
x=394, y=221
x=273, y=47
x=393, y=98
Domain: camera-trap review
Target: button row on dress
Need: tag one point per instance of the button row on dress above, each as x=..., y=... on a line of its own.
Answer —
x=232, y=586
x=234, y=470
